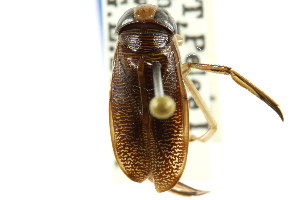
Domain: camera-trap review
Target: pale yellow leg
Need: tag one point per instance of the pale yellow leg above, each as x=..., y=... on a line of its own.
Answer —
x=201, y=104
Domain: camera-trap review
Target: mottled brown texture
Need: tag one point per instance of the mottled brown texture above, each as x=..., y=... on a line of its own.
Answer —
x=146, y=147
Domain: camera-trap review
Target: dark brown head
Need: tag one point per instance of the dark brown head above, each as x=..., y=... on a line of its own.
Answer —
x=146, y=28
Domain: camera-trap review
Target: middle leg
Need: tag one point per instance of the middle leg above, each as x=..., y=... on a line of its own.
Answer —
x=201, y=104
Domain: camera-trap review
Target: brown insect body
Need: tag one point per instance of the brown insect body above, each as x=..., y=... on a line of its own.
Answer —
x=146, y=147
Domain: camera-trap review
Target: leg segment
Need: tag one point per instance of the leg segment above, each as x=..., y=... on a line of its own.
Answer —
x=201, y=104
x=239, y=79
x=182, y=189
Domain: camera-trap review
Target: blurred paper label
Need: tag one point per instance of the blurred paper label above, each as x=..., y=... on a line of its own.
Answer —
x=194, y=22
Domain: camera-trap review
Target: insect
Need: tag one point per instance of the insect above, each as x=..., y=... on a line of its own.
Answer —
x=149, y=113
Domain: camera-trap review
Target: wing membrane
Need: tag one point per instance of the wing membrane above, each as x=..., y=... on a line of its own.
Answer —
x=170, y=136
x=126, y=123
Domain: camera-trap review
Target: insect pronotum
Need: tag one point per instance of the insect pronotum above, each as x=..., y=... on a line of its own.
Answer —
x=149, y=113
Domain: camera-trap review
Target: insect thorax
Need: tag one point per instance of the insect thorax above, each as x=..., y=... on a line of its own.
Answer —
x=144, y=37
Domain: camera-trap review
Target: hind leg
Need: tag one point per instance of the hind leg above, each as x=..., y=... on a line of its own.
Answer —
x=185, y=190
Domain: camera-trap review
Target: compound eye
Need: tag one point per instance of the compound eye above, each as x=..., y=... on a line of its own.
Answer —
x=164, y=18
x=126, y=18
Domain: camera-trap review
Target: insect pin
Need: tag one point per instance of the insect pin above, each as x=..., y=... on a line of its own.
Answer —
x=148, y=107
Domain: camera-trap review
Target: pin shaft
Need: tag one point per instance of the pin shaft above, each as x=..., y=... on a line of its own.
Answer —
x=157, y=80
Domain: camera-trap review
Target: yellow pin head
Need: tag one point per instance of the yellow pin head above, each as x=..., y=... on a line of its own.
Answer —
x=162, y=107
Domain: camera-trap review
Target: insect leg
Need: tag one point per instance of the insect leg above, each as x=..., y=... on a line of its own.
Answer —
x=185, y=190
x=201, y=104
x=179, y=39
x=239, y=79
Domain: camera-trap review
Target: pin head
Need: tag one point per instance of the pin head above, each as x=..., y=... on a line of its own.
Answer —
x=162, y=107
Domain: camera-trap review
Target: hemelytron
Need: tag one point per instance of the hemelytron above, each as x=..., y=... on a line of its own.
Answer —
x=148, y=107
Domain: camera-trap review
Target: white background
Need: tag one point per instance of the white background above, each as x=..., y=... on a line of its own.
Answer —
x=54, y=138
